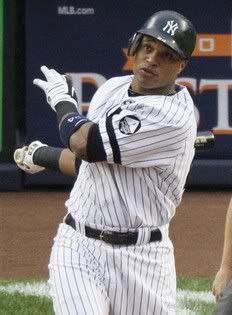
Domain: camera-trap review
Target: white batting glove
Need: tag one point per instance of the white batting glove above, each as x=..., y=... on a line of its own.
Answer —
x=24, y=157
x=57, y=88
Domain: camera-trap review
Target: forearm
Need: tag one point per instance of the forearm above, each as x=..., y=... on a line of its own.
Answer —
x=224, y=274
x=67, y=162
x=227, y=249
x=79, y=140
x=77, y=132
x=56, y=159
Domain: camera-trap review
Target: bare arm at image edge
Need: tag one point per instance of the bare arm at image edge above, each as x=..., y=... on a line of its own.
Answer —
x=224, y=274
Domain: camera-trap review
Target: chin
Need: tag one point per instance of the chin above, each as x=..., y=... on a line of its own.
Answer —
x=142, y=83
x=149, y=85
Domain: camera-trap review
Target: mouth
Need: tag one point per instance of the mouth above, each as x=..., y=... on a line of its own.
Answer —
x=148, y=71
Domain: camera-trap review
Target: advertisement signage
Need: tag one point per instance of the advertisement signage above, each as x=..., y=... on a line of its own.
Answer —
x=89, y=39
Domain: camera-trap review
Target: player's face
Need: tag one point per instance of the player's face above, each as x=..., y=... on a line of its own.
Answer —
x=156, y=67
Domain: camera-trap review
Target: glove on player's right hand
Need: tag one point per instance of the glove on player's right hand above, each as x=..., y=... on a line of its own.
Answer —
x=24, y=157
x=57, y=88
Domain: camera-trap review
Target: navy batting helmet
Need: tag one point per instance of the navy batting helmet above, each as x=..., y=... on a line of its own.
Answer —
x=170, y=27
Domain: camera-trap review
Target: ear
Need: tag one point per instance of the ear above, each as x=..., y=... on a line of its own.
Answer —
x=182, y=65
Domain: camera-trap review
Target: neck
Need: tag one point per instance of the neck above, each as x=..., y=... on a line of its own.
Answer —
x=165, y=90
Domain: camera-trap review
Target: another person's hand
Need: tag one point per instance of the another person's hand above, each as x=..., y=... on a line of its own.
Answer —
x=58, y=88
x=23, y=157
x=222, y=278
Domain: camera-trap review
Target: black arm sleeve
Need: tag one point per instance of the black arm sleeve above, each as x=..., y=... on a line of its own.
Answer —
x=64, y=108
x=95, y=148
x=47, y=157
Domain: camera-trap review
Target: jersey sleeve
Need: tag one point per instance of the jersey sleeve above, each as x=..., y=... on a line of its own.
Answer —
x=146, y=135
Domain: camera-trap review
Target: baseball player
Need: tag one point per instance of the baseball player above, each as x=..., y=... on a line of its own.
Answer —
x=222, y=285
x=112, y=253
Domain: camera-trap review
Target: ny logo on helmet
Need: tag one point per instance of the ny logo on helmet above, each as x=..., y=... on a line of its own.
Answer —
x=170, y=27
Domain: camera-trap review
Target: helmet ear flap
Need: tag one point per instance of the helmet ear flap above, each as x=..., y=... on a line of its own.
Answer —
x=134, y=43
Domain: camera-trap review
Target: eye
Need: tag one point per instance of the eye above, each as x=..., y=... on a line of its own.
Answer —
x=147, y=48
x=169, y=56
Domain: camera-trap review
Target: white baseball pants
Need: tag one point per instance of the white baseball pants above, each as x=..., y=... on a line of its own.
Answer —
x=90, y=277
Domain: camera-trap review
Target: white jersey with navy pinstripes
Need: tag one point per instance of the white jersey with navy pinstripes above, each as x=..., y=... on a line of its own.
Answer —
x=149, y=144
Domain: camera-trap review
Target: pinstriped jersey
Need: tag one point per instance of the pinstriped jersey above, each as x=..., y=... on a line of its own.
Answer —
x=149, y=144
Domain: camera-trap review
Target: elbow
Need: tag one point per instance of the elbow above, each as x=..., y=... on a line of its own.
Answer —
x=78, y=148
x=86, y=144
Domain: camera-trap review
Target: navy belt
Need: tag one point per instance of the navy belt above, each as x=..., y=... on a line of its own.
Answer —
x=112, y=237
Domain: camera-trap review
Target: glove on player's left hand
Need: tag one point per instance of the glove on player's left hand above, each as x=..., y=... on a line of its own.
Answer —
x=24, y=158
x=57, y=88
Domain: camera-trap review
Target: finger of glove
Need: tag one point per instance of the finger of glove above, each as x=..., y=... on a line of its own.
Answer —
x=40, y=83
x=19, y=155
x=22, y=166
x=57, y=75
x=47, y=73
x=31, y=168
x=26, y=168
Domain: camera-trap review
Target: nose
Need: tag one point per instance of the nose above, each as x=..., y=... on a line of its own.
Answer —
x=153, y=58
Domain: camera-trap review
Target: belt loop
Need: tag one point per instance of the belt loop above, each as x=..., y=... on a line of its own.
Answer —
x=144, y=235
x=164, y=231
x=102, y=234
x=81, y=227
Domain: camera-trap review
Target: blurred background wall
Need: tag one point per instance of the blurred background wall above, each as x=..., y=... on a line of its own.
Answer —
x=88, y=40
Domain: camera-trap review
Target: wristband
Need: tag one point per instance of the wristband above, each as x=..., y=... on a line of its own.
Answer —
x=47, y=157
x=63, y=108
x=69, y=125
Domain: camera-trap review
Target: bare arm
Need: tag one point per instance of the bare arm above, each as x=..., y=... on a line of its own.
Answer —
x=227, y=249
x=67, y=162
x=224, y=274
x=56, y=159
x=78, y=141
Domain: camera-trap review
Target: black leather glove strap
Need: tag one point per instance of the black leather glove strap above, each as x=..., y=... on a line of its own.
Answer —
x=64, y=108
x=47, y=157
